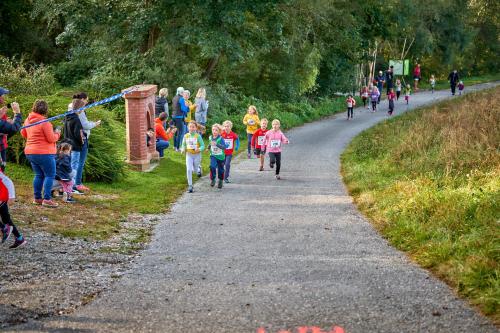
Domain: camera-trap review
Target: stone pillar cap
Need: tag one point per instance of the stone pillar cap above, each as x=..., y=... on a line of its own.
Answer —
x=141, y=91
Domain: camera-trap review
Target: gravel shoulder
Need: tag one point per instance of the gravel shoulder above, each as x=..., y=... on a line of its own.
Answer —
x=277, y=255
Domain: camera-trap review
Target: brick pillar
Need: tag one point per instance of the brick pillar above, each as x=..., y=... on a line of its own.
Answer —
x=140, y=112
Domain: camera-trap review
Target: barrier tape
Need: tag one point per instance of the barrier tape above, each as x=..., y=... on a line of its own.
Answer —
x=101, y=102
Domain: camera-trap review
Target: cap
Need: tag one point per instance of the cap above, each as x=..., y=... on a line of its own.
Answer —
x=3, y=91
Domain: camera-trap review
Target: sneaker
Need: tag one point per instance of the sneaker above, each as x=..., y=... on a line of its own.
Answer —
x=271, y=165
x=278, y=177
x=190, y=189
x=261, y=169
x=37, y=202
x=199, y=172
x=18, y=243
x=69, y=199
x=248, y=155
x=220, y=183
x=212, y=182
x=49, y=203
x=227, y=181
x=75, y=191
x=82, y=188
x=6, y=233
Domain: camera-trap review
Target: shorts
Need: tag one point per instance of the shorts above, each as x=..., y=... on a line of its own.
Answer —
x=259, y=151
x=416, y=78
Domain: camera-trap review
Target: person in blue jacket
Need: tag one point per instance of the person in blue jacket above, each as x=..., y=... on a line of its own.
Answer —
x=179, y=112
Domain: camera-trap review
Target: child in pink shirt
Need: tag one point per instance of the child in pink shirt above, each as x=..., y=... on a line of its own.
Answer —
x=273, y=141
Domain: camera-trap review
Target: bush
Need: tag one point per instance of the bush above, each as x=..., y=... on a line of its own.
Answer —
x=23, y=79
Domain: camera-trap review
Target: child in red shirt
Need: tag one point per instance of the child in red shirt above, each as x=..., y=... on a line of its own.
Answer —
x=232, y=144
x=391, y=96
x=351, y=103
x=258, y=139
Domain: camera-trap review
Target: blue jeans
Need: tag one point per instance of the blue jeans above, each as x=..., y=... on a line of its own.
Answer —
x=179, y=124
x=216, y=168
x=249, y=144
x=44, y=166
x=78, y=159
x=227, y=166
x=161, y=145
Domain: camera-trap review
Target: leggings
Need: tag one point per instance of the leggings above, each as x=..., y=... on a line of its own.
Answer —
x=398, y=93
x=364, y=101
x=216, y=167
x=374, y=105
x=192, y=165
x=275, y=158
x=227, y=166
x=350, y=112
x=6, y=220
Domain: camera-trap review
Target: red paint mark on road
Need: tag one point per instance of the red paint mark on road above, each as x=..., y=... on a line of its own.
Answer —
x=306, y=329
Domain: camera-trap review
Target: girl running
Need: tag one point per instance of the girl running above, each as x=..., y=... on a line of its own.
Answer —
x=64, y=172
x=7, y=193
x=273, y=141
x=233, y=144
x=391, y=97
x=258, y=139
x=192, y=145
x=217, y=155
x=407, y=94
x=374, y=97
x=252, y=122
x=432, y=82
x=461, y=87
x=351, y=102
x=364, y=93
x=398, y=89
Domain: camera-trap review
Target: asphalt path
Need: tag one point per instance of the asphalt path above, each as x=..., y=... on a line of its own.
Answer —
x=277, y=255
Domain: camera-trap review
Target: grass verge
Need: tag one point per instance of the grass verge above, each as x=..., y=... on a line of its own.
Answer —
x=430, y=182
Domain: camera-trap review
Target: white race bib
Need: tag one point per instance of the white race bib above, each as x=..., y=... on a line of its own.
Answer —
x=260, y=140
x=275, y=143
x=349, y=104
x=192, y=143
x=251, y=122
x=216, y=150
x=229, y=143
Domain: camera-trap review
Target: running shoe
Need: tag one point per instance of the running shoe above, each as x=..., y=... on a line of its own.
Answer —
x=249, y=156
x=199, y=172
x=75, y=191
x=227, y=181
x=82, y=188
x=220, y=183
x=212, y=182
x=69, y=200
x=190, y=189
x=278, y=177
x=6, y=233
x=271, y=165
x=261, y=169
x=18, y=243
x=49, y=203
x=37, y=202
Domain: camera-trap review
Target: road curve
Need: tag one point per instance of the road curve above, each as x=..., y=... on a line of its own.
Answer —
x=275, y=255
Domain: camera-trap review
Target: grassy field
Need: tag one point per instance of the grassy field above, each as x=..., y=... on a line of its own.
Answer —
x=443, y=84
x=429, y=180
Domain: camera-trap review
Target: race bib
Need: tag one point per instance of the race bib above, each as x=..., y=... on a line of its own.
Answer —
x=349, y=105
x=251, y=122
x=229, y=143
x=192, y=143
x=275, y=143
x=215, y=150
x=260, y=140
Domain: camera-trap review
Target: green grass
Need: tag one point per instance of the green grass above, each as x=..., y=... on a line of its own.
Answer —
x=430, y=182
x=443, y=84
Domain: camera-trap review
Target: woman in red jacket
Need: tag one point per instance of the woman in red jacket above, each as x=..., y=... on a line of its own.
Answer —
x=40, y=150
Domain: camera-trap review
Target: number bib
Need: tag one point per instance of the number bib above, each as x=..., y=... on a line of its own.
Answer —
x=260, y=140
x=275, y=143
x=251, y=122
x=229, y=143
x=192, y=143
x=215, y=150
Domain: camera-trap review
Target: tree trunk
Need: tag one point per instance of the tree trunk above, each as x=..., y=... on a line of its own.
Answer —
x=210, y=67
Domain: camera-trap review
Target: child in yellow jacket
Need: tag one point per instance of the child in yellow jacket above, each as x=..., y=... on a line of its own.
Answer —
x=252, y=122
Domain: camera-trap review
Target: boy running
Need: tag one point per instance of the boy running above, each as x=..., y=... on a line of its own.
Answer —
x=233, y=144
x=217, y=155
x=258, y=140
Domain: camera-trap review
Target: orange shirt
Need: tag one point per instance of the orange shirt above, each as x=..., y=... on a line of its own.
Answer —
x=160, y=131
x=41, y=139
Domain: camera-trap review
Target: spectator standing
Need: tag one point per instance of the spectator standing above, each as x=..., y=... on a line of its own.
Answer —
x=454, y=79
x=389, y=79
x=380, y=80
x=179, y=112
x=201, y=107
x=417, y=76
x=161, y=103
x=7, y=127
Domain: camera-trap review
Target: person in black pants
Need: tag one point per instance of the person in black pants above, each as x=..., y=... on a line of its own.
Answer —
x=453, y=78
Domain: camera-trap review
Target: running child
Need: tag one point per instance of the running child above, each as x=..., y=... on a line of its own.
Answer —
x=192, y=145
x=374, y=97
x=398, y=89
x=217, y=155
x=364, y=93
x=461, y=87
x=351, y=102
x=407, y=94
x=273, y=140
x=258, y=140
x=64, y=172
x=432, y=82
x=252, y=122
x=7, y=193
x=391, y=97
x=232, y=143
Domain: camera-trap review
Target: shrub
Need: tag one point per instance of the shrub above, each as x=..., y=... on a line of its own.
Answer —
x=24, y=79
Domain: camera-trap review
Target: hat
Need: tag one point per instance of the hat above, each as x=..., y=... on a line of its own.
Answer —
x=3, y=91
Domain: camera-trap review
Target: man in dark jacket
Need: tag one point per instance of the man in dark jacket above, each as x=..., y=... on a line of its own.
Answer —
x=6, y=127
x=453, y=78
x=380, y=80
x=179, y=112
x=389, y=77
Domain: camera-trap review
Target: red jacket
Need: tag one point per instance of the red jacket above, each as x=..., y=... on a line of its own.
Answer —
x=258, y=138
x=231, y=141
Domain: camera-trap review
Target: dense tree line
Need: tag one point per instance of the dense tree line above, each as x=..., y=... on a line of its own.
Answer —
x=281, y=49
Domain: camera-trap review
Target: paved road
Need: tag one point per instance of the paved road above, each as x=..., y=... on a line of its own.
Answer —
x=278, y=255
